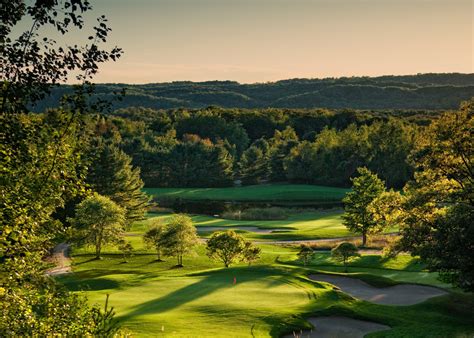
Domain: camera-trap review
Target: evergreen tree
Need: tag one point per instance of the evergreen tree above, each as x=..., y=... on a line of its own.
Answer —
x=111, y=174
x=200, y=163
x=253, y=166
x=283, y=142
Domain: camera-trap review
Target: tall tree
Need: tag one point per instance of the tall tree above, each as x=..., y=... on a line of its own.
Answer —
x=253, y=165
x=111, y=174
x=40, y=160
x=179, y=238
x=357, y=214
x=98, y=221
x=200, y=163
x=281, y=145
x=435, y=213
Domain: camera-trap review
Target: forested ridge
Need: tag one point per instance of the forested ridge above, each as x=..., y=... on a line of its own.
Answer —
x=422, y=91
x=214, y=146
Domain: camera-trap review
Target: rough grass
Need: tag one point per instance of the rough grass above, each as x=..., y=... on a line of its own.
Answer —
x=267, y=192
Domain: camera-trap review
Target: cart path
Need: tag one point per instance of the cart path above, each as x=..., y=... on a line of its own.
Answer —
x=60, y=257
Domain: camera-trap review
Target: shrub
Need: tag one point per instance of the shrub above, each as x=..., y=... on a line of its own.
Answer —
x=344, y=252
x=257, y=214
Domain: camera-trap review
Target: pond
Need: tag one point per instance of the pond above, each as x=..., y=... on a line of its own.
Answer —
x=214, y=207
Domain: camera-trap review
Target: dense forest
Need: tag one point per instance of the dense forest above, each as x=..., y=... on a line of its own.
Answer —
x=216, y=146
x=423, y=91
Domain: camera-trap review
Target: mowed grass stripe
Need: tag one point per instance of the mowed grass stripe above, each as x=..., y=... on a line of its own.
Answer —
x=267, y=192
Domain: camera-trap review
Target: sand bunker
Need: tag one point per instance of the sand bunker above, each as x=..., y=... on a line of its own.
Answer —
x=403, y=294
x=251, y=229
x=340, y=327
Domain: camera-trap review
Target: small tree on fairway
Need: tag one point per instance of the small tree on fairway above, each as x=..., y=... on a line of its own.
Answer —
x=225, y=246
x=98, y=221
x=153, y=238
x=251, y=253
x=305, y=254
x=358, y=216
x=229, y=247
x=344, y=252
x=126, y=248
x=179, y=237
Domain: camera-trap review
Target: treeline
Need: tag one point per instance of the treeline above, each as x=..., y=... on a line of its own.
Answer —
x=422, y=91
x=215, y=146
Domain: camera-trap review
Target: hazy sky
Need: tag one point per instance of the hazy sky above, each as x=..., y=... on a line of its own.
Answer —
x=268, y=40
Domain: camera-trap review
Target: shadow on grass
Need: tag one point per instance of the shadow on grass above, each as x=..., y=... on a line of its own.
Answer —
x=156, y=261
x=96, y=284
x=211, y=282
x=86, y=261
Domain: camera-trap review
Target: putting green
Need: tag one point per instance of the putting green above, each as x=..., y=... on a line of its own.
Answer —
x=208, y=303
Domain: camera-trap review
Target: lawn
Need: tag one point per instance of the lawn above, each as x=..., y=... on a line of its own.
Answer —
x=268, y=299
x=150, y=296
x=266, y=192
x=300, y=226
x=402, y=268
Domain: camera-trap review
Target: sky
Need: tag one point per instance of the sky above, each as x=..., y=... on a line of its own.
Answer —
x=267, y=40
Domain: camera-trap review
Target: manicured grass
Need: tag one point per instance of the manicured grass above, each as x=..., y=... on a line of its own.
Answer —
x=199, y=298
x=269, y=299
x=403, y=268
x=267, y=192
x=301, y=226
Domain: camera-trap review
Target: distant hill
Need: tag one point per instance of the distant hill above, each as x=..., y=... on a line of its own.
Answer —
x=422, y=91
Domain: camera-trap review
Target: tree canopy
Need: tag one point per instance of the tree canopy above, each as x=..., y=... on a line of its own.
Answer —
x=111, y=174
x=98, y=221
x=357, y=214
x=229, y=247
x=435, y=212
x=179, y=237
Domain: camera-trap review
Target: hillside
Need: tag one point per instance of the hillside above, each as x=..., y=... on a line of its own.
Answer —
x=422, y=91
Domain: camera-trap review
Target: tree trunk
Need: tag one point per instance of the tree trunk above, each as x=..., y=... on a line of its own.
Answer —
x=97, y=250
x=364, y=238
x=98, y=245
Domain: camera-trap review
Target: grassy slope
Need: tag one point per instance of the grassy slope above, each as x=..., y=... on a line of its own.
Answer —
x=269, y=299
x=200, y=297
x=268, y=192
